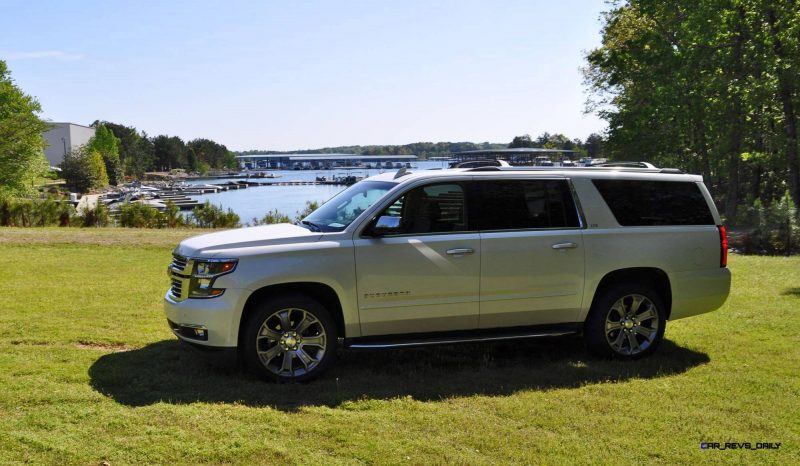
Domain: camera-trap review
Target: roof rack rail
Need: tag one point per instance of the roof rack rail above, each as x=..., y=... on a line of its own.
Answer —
x=627, y=168
x=480, y=163
x=625, y=164
x=485, y=169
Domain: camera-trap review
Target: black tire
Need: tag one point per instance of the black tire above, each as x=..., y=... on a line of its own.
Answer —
x=265, y=343
x=600, y=333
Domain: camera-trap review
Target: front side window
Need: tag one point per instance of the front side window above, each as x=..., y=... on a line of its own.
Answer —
x=436, y=208
x=525, y=204
x=341, y=210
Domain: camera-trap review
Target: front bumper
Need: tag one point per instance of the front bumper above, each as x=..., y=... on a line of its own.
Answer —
x=218, y=318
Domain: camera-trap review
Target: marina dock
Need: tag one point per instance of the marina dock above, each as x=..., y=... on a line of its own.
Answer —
x=159, y=193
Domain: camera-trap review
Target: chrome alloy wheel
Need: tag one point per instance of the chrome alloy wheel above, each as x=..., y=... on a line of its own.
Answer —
x=631, y=324
x=291, y=342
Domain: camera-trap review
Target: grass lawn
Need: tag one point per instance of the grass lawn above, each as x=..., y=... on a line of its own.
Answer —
x=89, y=373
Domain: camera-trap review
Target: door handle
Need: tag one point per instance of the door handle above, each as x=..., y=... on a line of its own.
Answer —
x=460, y=251
x=563, y=246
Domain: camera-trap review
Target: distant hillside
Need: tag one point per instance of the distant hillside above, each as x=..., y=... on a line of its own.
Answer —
x=423, y=150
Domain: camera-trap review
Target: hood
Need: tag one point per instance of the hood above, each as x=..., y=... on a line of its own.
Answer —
x=243, y=238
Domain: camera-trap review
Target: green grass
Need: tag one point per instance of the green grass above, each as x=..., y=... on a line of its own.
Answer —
x=89, y=372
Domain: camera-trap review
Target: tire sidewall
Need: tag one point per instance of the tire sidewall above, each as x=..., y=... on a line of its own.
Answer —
x=268, y=307
x=594, y=328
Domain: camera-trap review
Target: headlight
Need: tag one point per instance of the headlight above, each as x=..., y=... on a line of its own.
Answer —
x=210, y=269
x=205, y=272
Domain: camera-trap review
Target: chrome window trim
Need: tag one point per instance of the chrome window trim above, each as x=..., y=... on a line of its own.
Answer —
x=441, y=233
x=532, y=230
x=698, y=184
x=575, y=202
x=572, y=192
x=582, y=225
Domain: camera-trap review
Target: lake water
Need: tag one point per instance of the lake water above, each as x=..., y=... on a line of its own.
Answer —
x=256, y=201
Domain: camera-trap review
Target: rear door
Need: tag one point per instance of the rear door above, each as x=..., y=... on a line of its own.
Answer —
x=532, y=258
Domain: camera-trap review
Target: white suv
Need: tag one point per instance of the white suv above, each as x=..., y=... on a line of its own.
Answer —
x=458, y=255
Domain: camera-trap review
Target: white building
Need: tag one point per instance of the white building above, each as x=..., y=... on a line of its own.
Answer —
x=63, y=138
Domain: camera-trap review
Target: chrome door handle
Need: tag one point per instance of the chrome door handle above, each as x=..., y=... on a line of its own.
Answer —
x=563, y=246
x=459, y=251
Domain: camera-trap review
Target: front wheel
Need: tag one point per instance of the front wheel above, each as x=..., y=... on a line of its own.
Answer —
x=626, y=322
x=291, y=338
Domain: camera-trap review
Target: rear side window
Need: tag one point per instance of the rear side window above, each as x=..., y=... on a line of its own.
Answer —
x=650, y=203
x=524, y=204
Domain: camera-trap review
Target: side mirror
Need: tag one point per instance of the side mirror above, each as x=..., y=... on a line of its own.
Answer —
x=386, y=225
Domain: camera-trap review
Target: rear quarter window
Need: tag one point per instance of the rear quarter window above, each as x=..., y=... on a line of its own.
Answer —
x=651, y=203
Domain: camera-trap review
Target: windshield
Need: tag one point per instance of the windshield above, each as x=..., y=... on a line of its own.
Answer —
x=342, y=209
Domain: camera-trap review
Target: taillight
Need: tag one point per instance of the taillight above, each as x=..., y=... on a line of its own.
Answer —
x=723, y=246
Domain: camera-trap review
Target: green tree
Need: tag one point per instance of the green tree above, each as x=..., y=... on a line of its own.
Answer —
x=203, y=168
x=191, y=160
x=521, y=141
x=310, y=207
x=83, y=169
x=783, y=35
x=105, y=143
x=213, y=154
x=594, y=145
x=97, y=169
x=229, y=161
x=169, y=152
x=212, y=216
x=699, y=84
x=558, y=141
x=75, y=170
x=272, y=217
x=135, y=150
x=146, y=156
x=21, y=142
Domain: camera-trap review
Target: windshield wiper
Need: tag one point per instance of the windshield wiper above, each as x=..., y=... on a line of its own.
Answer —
x=311, y=225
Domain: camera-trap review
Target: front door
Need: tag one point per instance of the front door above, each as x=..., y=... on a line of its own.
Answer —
x=423, y=276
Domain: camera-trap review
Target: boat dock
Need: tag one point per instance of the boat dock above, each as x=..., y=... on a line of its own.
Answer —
x=158, y=193
x=178, y=194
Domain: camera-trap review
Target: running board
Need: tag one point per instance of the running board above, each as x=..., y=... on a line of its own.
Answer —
x=470, y=336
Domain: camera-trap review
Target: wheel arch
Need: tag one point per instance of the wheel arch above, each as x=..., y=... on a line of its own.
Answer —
x=321, y=292
x=651, y=276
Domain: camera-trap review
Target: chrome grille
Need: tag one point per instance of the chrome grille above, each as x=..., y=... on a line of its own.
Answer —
x=179, y=271
x=177, y=287
x=179, y=263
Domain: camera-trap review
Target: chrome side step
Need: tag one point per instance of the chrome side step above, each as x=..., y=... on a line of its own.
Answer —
x=450, y=338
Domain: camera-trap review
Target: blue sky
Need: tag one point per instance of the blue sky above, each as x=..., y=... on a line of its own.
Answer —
x=304, y=74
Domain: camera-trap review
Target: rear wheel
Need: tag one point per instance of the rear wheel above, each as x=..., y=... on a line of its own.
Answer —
x=626, y=322
x=291, y=338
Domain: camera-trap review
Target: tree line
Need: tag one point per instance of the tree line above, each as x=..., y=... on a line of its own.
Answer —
x=423, y=150
x=708, y=86
x=591, y=147
x=21, y=144
x=117, y=151
x=139, y=153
